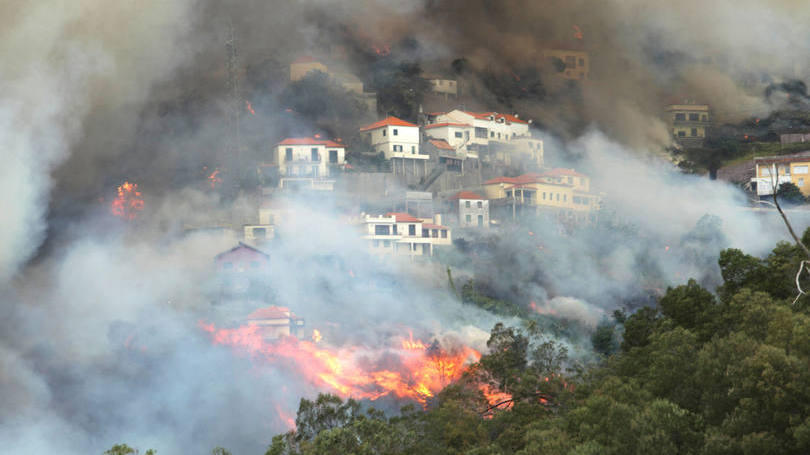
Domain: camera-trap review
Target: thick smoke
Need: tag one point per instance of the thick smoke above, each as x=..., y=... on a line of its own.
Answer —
x=100, y=341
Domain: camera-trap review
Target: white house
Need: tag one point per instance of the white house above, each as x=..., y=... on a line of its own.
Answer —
x=308, y=162
x=473, y=209
x=487, y=126
x=398, y=140
x=401, y=234
x=457, y=135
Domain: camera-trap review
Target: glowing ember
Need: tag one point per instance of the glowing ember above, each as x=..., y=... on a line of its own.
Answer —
x=249, y=107
x=128, y=203
x=214, y=179
x=316, y=336
x=545, y=309
x=578, y=32
x=350, y=371
x=496, y=399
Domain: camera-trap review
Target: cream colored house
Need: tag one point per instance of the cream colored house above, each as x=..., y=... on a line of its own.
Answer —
x=308, y=162
x=400, y=234
x=781, y=169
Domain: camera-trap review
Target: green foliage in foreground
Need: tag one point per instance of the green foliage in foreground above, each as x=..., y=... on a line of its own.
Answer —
x=703, y=373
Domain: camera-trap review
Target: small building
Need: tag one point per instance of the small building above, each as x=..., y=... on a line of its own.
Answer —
x=400, y=234
x=688, y=121
x=472, y=209
x=443, y=86
x=242, y=271
x=303, y=66
x=473, y=133
x=306, y=162
x=257, y=234
x=276, y=322
x=773, y=171
x=570, y=62
x=399, y=141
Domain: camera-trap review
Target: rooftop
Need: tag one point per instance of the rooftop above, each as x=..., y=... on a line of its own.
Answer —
x=801, y=156
x=466, y=195
x=441, y=144
x=271, y=312
x=390, y=121
x=309, y=141
x=433, y=226
x=403, y=217
x=439, y=125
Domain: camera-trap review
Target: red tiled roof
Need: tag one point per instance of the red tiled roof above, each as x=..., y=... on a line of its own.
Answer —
x=309, y=141
x=403, y=217
x=433, y=226
x=390, y=121
x=466, y=195
x=563, y=171
x=439, y=125
x=240, y=246
x=271, y=312
x=486, y=115
x=441, y=143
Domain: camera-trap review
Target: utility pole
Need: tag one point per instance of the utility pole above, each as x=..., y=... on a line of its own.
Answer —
x=233, y=145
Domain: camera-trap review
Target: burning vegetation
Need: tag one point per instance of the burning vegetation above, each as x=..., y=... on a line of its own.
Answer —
x=128, y=203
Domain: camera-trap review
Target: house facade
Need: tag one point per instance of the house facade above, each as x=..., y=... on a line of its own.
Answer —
x=399, y=142
x=472, y=209
x=400, y=234
x=275, y=322
x=688, y=122
x=308, y=162
x=773, y=171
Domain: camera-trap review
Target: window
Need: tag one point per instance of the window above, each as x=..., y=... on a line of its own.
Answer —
x=565, y=197
x=333, y=156
x=694, y=132
x=468, y=218
x=458, y=134
x=384, y=131
x=681, y=133
x=480, y=133
x=413, y=150
x=705, y=118
x=544, y=195
x=480, y=220
x=499, y=135
x=314, y=155
x=412, y=230
x=259, y=233
x=381, y=229
x=395, y=230
x=467, y=204
x=466, y=134
x=425, y=232
x=480, y=204
x=783, y=169
x=694, y=117
x=576, y=200
x=435, y=233
x=800, y=183
x=288, y=155
x=491, y=134
x=444, y=233
x=680, y=117
x=766, y=171
x=581, y=62
x=396, y=132
x=796, y=170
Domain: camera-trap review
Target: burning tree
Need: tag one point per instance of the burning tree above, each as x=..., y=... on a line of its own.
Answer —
x=128, y=202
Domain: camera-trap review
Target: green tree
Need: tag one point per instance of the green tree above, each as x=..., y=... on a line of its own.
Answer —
x=789, y=193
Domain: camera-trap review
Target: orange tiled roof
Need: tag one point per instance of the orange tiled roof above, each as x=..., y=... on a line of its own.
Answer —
x=403, y=217
x=433, y=226
x=485, y=116
x=441, y=144
x=309, y=141
x=271, y=312
x=390, y=121
x=466, y=195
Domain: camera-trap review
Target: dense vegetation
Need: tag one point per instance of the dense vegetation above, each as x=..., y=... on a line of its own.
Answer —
x=701, y=373
x=713, y=373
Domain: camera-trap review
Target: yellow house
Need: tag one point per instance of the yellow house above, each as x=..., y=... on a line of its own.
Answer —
x=303, y=65
x=688, y=121
x=576, y=63
x=781, y=169
x=561, y=190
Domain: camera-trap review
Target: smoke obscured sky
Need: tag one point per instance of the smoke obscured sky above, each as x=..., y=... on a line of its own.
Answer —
x=95, y=92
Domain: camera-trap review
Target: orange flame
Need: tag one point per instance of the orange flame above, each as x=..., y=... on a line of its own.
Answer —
x=578, y=32
x=214, y=179
x=316, y=336
x=351, y=371
x=128, y=202
x=249, y=107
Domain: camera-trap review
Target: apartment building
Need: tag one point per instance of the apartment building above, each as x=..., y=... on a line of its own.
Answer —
x=400, y=234
x=308, y=162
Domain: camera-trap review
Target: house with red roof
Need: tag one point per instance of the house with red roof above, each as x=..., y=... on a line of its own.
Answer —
x=242, y=272
x=399, y=142
x=564, y=192
x=488, y=136
x=308, y=162
x=472, y=209
x=404, y=235
x=275, y=322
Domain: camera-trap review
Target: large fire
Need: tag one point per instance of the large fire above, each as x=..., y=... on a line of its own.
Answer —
x=410, y=370
x=128, y=201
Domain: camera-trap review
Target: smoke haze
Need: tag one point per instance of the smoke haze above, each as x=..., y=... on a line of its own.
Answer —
x=100, y=340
